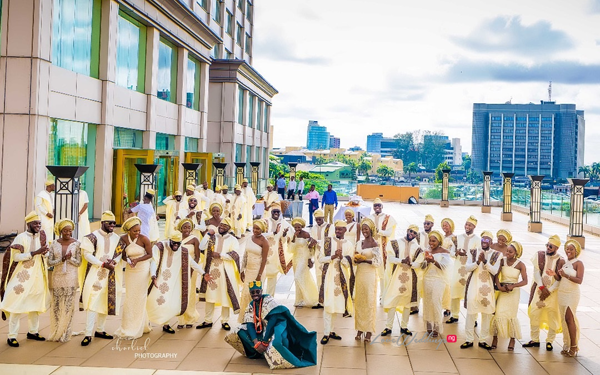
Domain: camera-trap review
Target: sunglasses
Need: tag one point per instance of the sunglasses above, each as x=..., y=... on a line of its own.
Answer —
x=486, y=240
x=111, y=222
x=412, y=231
x=276, y=211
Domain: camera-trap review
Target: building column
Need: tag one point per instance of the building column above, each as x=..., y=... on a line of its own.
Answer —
x=105, y=136
x=152, y=45
x=486, y=207
x=577, y=208
x=445, y=188
x=204, y=84
x=535, y=205
x=507, y=197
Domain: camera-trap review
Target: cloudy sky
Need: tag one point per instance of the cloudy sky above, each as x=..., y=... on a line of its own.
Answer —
x=394, y=66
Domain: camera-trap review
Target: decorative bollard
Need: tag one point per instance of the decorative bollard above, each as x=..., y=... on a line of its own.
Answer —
x=219, y=174
x=254, y=180
x=486, y=206
x=190, y=173
x=66, y=195
x=445, y=188
x=577, y=208
x=240, y=168
x=535, y=205
x=507, y=196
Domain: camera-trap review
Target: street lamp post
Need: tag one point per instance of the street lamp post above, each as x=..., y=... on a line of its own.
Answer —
x=507, y=197
x=486, y=207
x=255, y=165
x=445, y=187
x=576, y=217
x=535, y=205
x=191, y=173
x=240, y=168
x=219, y=174
x=66, y=195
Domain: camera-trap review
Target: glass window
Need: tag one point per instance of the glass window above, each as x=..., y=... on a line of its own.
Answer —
x=216, y=11
x=165, y=141
x=238, y=152
x=229, y=23
x=250, y=110
x=76, y=35
x=240, y=105
x=240, y=5
x=249, y=12
x=259, y=122
x=131, y=53
x=226, y=54
x=248, y=43
x=167, y=71
x=128, y=138
x=257, y=157
x=215, y=52
x=239, y=35
x=248, y=158
x=191, y=144
x=265, y=118
x=202, y=3
x=193, y=84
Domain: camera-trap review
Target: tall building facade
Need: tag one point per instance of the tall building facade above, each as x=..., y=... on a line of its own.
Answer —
x=528, y=139
x=334, y=142
x=107, y=84
x=317, y=136
x=378, y=144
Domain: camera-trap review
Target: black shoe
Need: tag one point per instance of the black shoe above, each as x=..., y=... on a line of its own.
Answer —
x=452, y=320
x=333, y=336
x=386, y=332
x=103, y=335
x=35, y=336
x=86, y=341
x=485, y=345
x=12, y=342
x=466, y=345
x=226, y=326
x=531, y=344
x=325, y=340
x=549, y=346
x=204, y=325
x=447, y=313
x=168, y=329
x=475, y=323
x=413, y=312
x=318, y=306
x=405, y=331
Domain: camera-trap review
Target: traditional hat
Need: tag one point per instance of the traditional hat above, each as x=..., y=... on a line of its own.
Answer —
x=224, y=187
x=298, y=220
x=190, y=187
x=261, y=224
x=575, y=244
x=130, y=223
x=245, y=180
x=472, y=220
x=450, y=222
x=255, y=284
x=377, y=201
x=276, y=205
x=176, y=236
x=554, y=240
x=62, y=224
x=429, y=218
x=340, y=224
x=506, y=234
x=108, y=216
x=269, y=185
x=413, y=227
x=215, y=204
x=184, y=221
x=237, y=187
x=217, y=188
x=151, y=192
x=32, y=216
x=227, y=221
x=487, y=233
x=437, y=235
x=319, y=213
x=49, y=182
x=177, y=193
x=518, y=248
x=368, y=222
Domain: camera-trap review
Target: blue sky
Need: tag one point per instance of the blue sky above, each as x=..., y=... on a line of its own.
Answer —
x=393, y=66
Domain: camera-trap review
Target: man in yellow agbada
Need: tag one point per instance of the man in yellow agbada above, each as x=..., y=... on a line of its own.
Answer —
x=173, y=204
x=221, y=281
x=279, y=234
x=24, y=287
x=250, y=202
x=103, y=280
x=386, y=231
x=171, y=275
x=338, y=280
x=44, y=208
x=238, y=212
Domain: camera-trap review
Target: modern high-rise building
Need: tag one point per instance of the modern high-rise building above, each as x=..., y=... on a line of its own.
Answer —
x=317, y=136
x=378, y=144
x=107, y=84
x=528, y=139
x=334, y=142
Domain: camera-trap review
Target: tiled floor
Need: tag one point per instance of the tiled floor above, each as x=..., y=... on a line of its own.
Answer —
x=205, y=352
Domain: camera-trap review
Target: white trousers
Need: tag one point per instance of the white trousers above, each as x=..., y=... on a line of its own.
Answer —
x=534, y=318
x=485, y=327
x=328, y=322
x=209, y=310
x=391, y=315
x=14, y=321
x=271, y=285
x=455, y=307
x=92, y=316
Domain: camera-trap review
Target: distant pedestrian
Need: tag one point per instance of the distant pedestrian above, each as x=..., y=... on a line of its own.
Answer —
x=313, y=202
x=281, y=186
x=329, y=203
x=300, y=187
x=291, y=193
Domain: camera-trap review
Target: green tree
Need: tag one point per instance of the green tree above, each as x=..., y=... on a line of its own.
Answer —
x=320, y=160
x=433, y=149
x=466, y=163
x=410, y=169
x=586, y=170
x=385, y=172
x=438, y=171
x=319, y=181
x=405, y=147
x=276, y=167
x=364, y=166
x=595, y=171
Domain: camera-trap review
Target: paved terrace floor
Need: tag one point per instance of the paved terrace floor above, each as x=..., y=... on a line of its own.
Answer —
x=204, y=351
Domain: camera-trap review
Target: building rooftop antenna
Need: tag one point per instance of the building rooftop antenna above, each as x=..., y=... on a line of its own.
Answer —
x=550, y=91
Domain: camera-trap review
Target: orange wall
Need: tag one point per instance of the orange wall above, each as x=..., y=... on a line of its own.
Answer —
x=388, y=192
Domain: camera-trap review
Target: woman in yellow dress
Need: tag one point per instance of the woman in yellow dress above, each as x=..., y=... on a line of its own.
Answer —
x=138, y=255
x=352, y=229
x=253, y=262
x=570, y=276
x=505, y=323
x=367, y=258
x=301, y=248
x=504, y=238
x=65, y=256
x=191, y=242
x=437, y=263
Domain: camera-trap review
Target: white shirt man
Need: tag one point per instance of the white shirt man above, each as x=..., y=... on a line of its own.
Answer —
x=386, y=231
x=279, y=233
x=250, y=202
x=238, y=211
x=205, y=194
x=44, y=208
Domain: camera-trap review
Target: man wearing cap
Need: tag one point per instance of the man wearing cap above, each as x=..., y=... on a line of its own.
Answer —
x=24, y=285
x=221, y=281
x=279, y=233
x=483, y=265
x=173, y=205
x=44, y=208
x=543, y=300
x=190, y=191
x=145, y=211
x=205, y=194
x=386, y=231
x=270, y=197
x=250, y=202
x=103, y=280
x=405, y=259
x=227, y=206
x=220, y=199
x=319, y=232
x=238, y=212
x=465, y=243
x=337, y=280
x=171, y=276
x=193, y=213
x=424, y=234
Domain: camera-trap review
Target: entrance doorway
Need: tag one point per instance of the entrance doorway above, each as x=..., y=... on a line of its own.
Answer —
x=168, y=175
x=126, y=178
x=206, y=169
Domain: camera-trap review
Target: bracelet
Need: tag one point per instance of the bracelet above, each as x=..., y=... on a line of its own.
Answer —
x=542, y=287
x=258, y=343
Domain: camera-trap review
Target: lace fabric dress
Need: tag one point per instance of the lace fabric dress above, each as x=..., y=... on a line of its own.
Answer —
x=568, y=298
x=365, y=291
x=434, y=285
x=250, y=265
x=505, y=323
x=64, y=288
x=137, y=280
x=306, y=287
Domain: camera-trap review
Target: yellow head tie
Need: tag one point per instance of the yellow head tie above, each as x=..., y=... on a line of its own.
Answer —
x=260, y=224
x=319, y=213
x=218, y=205
x=176, y=236
x=554, y=240
x=183, y=222
x=340, y=224
x=429, y=218
x=575, y=244
x=413, y=227
x=32, y=216
x=506, y=234
x=298, y=220
x=227, y=221
x=130, y=223
x=107, y=216
x=518, y=248
x=487, y=233
x=255, y=284
x=472, y=220
x=349, y=211
x=368, y=222
x=437, y=235
x=450, y=222
x=62, y=224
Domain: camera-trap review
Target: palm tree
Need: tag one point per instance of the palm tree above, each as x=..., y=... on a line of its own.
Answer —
x=410, y=169
x=384, y=171
x=364, y=166
x=595, y=171
x=586, y=170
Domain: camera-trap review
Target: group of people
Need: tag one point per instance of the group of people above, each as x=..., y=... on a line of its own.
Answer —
x=213, y=252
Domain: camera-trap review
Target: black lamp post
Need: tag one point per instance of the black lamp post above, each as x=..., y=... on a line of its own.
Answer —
x=66, y=194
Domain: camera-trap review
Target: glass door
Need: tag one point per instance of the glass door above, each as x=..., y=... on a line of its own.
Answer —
x=126, y=178
x=205, y=171
x=167, y=178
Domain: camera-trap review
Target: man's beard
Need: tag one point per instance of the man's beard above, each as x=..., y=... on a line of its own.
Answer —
x=223, y=231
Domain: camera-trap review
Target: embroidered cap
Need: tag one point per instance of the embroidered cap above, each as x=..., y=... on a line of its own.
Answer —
x=32, y=216
x=554, y=240
x=255, y=285
x=472, y=220
x=429, y=218
x=176, y=236
x=319, y=213
x=107, y=216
